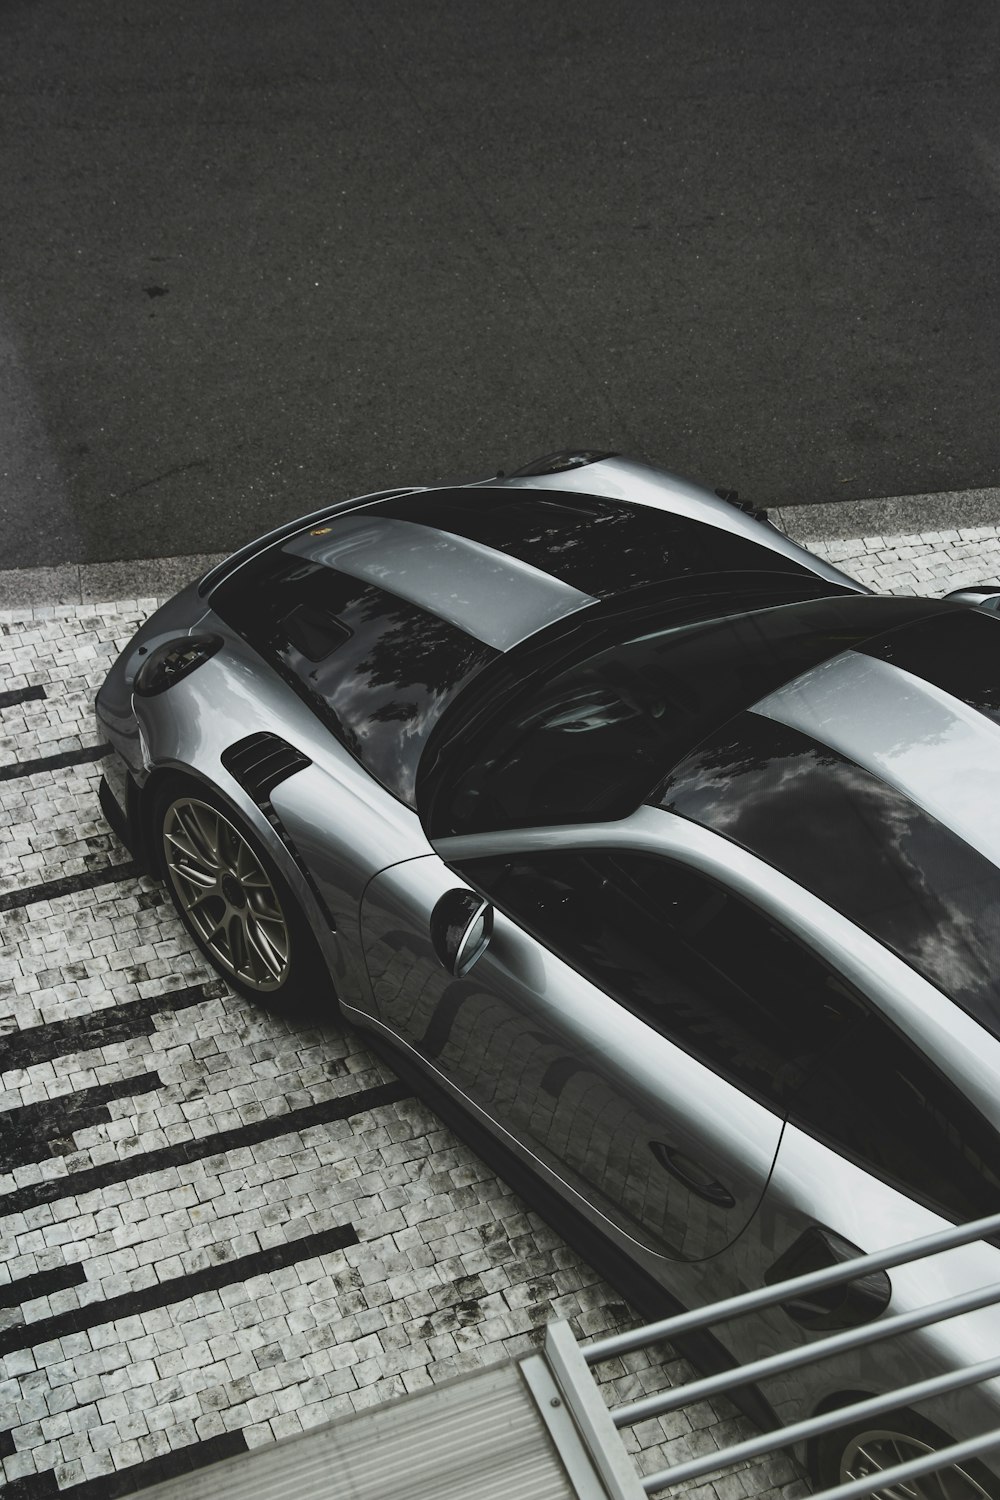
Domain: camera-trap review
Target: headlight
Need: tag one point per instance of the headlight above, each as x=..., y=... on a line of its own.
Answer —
x=172, y=661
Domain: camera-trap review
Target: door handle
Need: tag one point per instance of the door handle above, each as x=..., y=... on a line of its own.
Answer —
x=845, y=1306
x=692, y=1175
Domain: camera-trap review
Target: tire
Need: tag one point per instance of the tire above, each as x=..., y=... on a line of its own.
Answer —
x=233, y=901
x=895, y=1438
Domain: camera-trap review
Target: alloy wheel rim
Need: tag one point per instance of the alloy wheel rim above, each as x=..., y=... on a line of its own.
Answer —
x=870, y=1452
x=226, y=894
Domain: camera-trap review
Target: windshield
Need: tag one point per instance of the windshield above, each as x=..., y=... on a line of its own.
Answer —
x=862, y=846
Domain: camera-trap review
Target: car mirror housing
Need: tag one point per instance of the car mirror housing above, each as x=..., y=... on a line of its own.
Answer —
x=461, y=928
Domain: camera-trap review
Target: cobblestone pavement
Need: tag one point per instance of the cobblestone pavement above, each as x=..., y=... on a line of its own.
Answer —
x=932, y=562
x=218, y=1228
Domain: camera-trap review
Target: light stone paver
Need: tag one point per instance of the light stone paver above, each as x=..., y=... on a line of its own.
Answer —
x=449, y=1271
x=942, y=561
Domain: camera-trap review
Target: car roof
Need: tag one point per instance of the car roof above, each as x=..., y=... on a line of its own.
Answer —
x=938, y=749
x=873, y=780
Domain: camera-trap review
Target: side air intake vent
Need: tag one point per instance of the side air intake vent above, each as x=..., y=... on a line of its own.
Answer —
x=260, y=762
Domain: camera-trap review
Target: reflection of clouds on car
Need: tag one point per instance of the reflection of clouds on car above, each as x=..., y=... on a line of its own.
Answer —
x=868, y=849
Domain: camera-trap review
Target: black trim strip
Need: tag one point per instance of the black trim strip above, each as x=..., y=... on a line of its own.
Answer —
x=21, y=695
x=93, y=1178
x=136, y=1477
x=51, y=890
x=54, y=762
x=115, y=816
x=37, y=1132
x=99, y=1028
x=41, y=1284
x=178, y=1288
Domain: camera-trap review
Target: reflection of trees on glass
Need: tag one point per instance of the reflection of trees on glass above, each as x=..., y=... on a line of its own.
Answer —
x=375, y=669
x=705, y=777
x=855, y=842
x=387, y=684
x=411, y=649
x=594, y=741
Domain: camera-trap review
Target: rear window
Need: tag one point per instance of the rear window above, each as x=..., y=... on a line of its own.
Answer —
x=374, y=668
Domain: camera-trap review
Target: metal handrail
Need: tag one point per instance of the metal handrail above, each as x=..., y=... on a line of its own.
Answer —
x=768, y=1296
x=844, y=1340
x=805, y=1354
x=810, y=1427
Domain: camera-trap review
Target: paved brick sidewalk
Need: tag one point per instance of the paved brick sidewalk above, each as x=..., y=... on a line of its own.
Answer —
x=218, y=1228
x=931, y=562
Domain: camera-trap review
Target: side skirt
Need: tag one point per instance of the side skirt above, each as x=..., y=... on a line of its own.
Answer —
x=638, y=1288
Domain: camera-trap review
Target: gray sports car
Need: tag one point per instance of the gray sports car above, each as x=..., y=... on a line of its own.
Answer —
x=664, y=853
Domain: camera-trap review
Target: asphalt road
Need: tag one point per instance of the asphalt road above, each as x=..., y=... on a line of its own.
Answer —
x=254, y=255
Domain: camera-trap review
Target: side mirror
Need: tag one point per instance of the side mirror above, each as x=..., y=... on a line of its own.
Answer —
x=461, y=928
x=981, y=595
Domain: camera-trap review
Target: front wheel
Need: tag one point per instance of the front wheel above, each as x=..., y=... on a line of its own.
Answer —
x=864, y=1449
x=233, y=901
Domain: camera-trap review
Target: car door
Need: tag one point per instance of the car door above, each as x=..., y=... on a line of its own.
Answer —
x=542, y=1039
